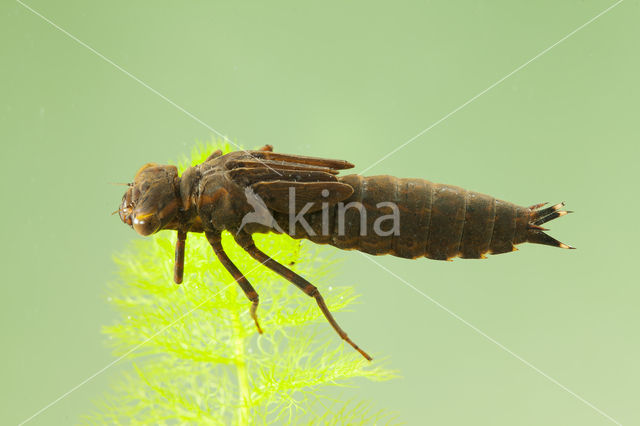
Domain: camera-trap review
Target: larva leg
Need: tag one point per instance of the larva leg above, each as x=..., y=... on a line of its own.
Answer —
x=178, y=267
x=252, y=295
x=246, y=242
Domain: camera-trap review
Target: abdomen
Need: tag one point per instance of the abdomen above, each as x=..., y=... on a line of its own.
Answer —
x=433, y=220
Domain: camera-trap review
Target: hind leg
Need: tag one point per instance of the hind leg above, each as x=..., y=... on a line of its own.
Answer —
x=246, y=242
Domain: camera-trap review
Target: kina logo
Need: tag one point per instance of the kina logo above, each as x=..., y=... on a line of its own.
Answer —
x=260, y=213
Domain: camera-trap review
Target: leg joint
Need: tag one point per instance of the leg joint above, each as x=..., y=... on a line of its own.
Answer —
x=311, y=290
x=253, y=296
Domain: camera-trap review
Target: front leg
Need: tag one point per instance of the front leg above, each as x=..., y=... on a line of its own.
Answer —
x=178, y=266
x=252, y=295
x=246, y=242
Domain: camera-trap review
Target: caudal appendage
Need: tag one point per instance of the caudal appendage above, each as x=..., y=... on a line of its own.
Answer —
x=539, y=216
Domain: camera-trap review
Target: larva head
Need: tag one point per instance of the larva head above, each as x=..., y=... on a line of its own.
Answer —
x=152, y=200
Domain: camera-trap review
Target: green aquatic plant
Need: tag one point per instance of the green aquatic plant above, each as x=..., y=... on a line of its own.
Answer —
x=199, y=357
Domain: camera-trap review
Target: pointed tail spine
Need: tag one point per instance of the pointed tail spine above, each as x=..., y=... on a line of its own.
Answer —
x=539, y=216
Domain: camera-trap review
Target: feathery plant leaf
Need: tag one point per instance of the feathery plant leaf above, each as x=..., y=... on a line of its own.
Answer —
x=200, y=358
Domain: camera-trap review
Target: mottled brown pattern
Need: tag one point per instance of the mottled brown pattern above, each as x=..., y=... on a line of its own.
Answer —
x=435, y=221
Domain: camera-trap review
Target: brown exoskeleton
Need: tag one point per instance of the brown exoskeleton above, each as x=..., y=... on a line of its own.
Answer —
x=247, y=192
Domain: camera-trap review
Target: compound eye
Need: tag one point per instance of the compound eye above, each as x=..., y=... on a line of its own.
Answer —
x=146, y=224
x=143, y=168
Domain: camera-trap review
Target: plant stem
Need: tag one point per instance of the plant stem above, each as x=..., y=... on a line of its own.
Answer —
x=244, y=391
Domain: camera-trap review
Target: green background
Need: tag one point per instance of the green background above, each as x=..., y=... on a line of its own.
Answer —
x=349, y=80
